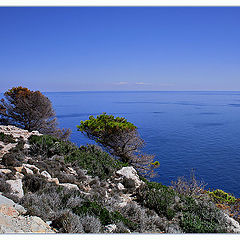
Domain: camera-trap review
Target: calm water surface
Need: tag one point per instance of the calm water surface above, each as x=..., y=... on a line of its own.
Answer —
x=185, y=130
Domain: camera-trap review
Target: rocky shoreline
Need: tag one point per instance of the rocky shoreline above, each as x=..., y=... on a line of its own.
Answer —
x=96, y=205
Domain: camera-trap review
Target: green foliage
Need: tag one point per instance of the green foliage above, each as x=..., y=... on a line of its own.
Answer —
x=192, y=223
x=200, y=216
x=6, y=138
x=159, y=198
x=106, y=217
x=49, y=145
x=95, y=161
x=104, y=125
x=118, y=136
x=91, y=158
x=219, y=196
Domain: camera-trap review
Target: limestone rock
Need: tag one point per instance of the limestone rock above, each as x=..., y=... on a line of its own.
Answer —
x=8, y=210
x=72, y=171
x=19, y=175
x=16, y=186
x=9, y=202
x=12, y=222
x=69, y=186
x=54, y=180
x=46, y=174
x=20, y=224
x=26, y=170
x=129, y=173
x=111, y=228
x=120, y=187
x=18, y=169
x=32, y=167
x=232, y=225
x=5, y=171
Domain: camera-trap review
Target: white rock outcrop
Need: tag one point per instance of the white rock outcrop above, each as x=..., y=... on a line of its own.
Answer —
x=17, y=187
x=69, y=186
x=129, y=173
x=11, y=220
x=232, y=225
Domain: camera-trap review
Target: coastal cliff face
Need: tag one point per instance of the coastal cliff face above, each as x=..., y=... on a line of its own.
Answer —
x=50, y=186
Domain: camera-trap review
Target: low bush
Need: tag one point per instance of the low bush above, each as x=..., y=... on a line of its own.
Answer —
x=33, y=183
x=219, y=196
x=49, y=146
x=105, y=217
x=159, y=198
x=189, y=187
x=90, y=157
x=68, y=222
x=200, y=216
x=12, y=160
x=6, y=138
x=95, y=161
x=4, y=187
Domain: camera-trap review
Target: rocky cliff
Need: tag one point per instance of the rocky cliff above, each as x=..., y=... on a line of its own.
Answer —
x=49, y=186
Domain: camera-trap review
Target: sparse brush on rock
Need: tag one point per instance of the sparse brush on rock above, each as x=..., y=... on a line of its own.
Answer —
x=6, y=138
x=33, y=183
x=189, y=187
x=4, y=187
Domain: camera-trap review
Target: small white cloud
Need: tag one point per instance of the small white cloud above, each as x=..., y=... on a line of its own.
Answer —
x=122, y=83
x=142, y=83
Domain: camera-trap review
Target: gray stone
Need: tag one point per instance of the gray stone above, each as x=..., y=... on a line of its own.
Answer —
x=46, y=174
x=120, y=187
x=232, y=225
x=26, y=170
x=130, y=173
x=69, y=186
x=5, y=171
x=19, y=175
x=111, y=228
x=16, y=186
x=7, y=201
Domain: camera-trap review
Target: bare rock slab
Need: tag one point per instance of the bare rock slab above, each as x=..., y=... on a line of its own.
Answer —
x=17, y=187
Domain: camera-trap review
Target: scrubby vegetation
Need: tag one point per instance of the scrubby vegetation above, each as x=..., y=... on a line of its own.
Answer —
x=91, y=157
x=6, y=138
x=97, y=207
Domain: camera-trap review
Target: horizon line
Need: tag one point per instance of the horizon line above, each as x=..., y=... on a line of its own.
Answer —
x=136, y=91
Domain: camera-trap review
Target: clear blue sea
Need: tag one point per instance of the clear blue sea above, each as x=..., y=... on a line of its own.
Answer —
x=185, y=130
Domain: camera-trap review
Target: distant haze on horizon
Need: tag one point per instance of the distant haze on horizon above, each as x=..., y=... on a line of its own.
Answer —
x=64, y=49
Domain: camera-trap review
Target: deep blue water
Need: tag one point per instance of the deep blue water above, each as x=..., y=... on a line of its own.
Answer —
x=185, y=130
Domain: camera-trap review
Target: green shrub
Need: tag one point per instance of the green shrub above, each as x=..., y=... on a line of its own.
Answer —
x=219, y=196
x=192, y=223
x=49, y=146
x=200, y=216
x=90, y=157
x=6, y=138
x=95, y=161
x=159, y=198
x=106, y=217
x=33, y=183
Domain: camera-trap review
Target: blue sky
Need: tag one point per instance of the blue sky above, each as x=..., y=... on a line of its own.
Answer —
x=127, y=48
